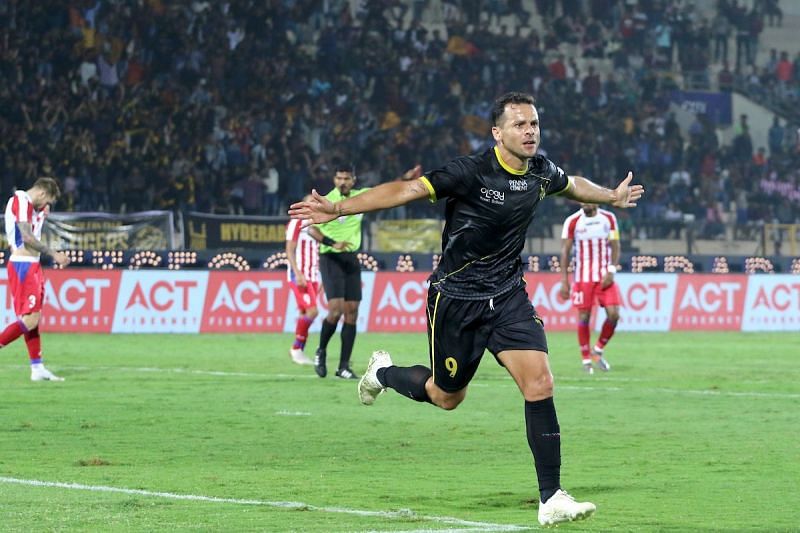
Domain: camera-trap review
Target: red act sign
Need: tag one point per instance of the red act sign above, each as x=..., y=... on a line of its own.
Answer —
x=166, y=301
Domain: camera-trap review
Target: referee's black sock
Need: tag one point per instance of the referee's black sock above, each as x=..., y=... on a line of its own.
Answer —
x=326, y=333
x=407, y=380
x=348, y=340
x=544, y=438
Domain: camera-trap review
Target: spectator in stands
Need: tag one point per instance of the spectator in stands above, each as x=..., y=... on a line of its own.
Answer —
x=742, y=145
x=775, y=137
x=253, y=194
x=221, y=85
x=784, y=72
x=725, y=79
x=673, y=218
x=773, y=12
x=721, y=27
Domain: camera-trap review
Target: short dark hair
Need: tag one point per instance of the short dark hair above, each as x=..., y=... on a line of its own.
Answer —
x=48, y=185
x=340, y=165
x=499, y=106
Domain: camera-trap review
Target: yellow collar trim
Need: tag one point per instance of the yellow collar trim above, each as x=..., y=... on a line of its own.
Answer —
x=508, y=168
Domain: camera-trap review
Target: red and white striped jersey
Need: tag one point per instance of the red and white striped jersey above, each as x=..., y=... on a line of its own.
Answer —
x=591, y=236
x=20, y=209
x=307, y=251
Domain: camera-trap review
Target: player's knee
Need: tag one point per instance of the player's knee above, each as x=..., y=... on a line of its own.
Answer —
x=449, y=402
x=613, y=317
x=312, y=313
x=31, y=320
x=538, y=387
x=445, y=400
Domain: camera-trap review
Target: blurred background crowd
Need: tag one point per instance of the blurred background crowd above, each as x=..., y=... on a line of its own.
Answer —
x=242, y=106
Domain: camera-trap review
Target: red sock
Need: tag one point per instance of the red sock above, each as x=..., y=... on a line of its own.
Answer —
x=301, y=332
x=583, y=339
x=606, y=333
x=12, y=332
x=34, y=342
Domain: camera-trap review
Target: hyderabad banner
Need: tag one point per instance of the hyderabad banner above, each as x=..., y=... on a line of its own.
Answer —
x=220, y=301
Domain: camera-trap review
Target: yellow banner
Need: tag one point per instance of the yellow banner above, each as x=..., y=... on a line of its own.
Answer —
x=422, y=235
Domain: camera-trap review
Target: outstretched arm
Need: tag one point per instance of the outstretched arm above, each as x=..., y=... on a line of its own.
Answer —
x=319, y=209
x=625, y=195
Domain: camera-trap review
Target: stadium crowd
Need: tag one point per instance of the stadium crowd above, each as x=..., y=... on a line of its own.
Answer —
x=242, y=106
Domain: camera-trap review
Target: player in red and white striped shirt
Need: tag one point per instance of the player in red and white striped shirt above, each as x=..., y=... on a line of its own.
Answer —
x=593, y=235
x=302, y=251
x=24, y=218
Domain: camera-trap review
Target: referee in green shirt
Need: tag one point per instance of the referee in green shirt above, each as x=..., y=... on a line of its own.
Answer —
x=340, y=241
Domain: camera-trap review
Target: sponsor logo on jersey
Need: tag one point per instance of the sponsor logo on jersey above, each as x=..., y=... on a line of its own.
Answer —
x=492, y=196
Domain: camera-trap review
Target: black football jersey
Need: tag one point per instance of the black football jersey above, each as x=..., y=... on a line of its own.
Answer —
x=489, y=207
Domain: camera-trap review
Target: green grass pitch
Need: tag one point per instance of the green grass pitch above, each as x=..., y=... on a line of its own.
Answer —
x=688, y=432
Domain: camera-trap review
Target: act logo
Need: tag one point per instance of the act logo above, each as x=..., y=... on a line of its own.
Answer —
x=711, y=297
x=555, y=313
x=773, y=303
x=647, y=302
x=247, y=296
x=779, y=297
x=409, y=298
x=640, y=296
x=400, y=303
x=709, y=301
x=547, y=298
x=75, y=294
x=161, y=295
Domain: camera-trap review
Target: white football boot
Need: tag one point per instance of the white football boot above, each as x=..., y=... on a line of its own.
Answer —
x=561, y=507
x=599, y=361
x=299, y=357
x=40, y=373
x=369, y=388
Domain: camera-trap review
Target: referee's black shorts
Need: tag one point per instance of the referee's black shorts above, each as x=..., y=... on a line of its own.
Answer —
x=341, y=276
x=459, y=331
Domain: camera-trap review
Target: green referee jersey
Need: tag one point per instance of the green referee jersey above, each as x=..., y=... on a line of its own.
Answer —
x=345, y=228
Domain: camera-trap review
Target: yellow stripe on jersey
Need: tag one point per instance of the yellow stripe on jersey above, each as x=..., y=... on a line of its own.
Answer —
x=463, y=267
x=431, y=191
x=565, y=189
x=507, y=167
x=432, y=320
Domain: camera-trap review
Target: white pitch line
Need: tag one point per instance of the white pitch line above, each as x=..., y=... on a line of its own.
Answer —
x=220, y=373
x=465, y=525
x=703, y=392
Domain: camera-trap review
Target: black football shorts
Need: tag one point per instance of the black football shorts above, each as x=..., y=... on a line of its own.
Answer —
x=459, y=331
x=341, y=276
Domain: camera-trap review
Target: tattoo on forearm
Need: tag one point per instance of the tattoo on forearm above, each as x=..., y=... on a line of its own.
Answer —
x=40, y=247
x=32, y=242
